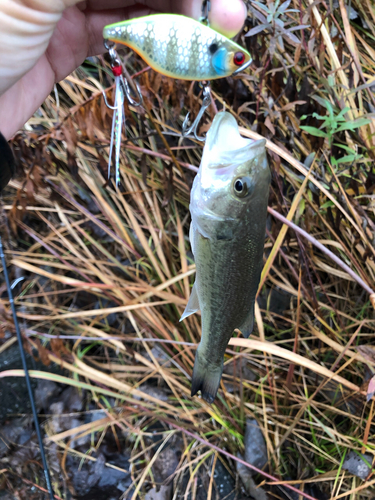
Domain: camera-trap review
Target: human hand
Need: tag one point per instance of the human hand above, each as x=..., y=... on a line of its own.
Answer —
x=43, y=41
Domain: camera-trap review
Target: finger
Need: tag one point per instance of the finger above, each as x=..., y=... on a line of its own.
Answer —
x=75, y=37
x=225, y=17
x=21, y=100
x=81, y=35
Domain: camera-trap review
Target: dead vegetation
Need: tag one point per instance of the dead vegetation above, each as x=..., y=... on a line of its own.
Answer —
x=108, y=271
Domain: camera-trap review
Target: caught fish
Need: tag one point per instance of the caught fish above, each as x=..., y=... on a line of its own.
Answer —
x=7, y=166
x=180, y=47
x=228, y=208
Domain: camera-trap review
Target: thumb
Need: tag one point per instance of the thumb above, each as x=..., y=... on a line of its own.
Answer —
x=26, y=27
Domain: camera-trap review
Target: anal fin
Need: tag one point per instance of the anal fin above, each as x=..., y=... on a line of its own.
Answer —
x=193, y=303
x=248, y=325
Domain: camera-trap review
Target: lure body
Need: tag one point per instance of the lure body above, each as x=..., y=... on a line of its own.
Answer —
x=179, y=47
x=228, y=208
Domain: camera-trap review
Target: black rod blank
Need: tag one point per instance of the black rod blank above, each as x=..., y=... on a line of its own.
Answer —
x=27, y=376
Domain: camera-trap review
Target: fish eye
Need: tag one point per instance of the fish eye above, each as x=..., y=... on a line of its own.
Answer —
x=239, y=58
x=242, y=187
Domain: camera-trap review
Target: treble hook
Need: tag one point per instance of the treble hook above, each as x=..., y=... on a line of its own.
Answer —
x=116, y=66
x=207, y=99
x=128, y=95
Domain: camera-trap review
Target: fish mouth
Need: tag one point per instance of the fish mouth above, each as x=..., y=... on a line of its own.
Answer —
x=224, y=143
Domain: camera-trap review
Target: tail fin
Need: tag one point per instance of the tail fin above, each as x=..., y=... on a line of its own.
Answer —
x=206, y=378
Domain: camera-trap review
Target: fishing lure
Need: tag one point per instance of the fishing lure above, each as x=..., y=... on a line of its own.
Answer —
x=228, y=206
x=180, y=47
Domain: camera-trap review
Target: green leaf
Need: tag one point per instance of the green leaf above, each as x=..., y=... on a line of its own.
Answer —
x=345, y=148
x=342, y=113
x=330, y=108
x=314, y=131
x=354, y=124
x=327, y=204
x=347, y=159
x=320, y=100
x=319, y=117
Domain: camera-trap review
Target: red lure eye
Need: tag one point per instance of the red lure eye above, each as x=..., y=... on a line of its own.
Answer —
x=239, y=58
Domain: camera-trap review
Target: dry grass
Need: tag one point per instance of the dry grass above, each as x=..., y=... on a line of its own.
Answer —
x=90, y=251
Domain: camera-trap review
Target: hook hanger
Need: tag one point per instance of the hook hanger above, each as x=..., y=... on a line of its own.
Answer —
x=207, y=99
x=206, y=7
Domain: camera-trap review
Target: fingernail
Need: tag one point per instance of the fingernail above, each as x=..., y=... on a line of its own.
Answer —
x=196, y=9
x=245, y=9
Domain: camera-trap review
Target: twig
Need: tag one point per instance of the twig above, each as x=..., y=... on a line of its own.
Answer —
x=237, y=459
x=325, y=250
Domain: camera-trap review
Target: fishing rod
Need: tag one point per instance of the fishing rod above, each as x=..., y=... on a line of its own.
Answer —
x=27, y=376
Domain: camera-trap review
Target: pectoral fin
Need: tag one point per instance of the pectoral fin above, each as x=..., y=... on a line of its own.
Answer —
x=193, y=303
x=248, y=325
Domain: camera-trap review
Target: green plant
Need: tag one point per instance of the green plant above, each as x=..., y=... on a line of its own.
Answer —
x=332, y=124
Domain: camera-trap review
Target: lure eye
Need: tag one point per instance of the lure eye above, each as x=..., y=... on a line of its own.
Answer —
x=242, y=187
x=239, y=58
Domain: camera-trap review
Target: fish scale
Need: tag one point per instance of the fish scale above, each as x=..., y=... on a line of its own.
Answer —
x=178, y=46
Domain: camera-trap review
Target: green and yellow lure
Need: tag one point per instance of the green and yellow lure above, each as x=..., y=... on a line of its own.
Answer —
x=179, y=47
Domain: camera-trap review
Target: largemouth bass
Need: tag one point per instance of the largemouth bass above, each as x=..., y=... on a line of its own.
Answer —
x=228, y=206
x=179, y=47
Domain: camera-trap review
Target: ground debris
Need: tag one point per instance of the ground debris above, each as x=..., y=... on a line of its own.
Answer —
x=164, y=493
x=358, y=464
x=255, y=454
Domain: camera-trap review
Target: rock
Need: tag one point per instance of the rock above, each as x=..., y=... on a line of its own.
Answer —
x=164, y=493
x=13, y=391
x=355, y=464
x=45, y=391
x=16, y=432
x=72, y=399
x=155, y=392
x=239, y=369
x=255, y=454
x=255, y=446
x=95, y=480
x=168, y=458
x=246, y=474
